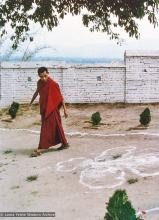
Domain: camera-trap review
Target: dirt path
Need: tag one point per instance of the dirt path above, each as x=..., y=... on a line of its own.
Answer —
x=76, y=183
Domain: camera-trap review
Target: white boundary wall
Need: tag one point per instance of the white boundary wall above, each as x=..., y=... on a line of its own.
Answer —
x=136, y=81
x=142, y=76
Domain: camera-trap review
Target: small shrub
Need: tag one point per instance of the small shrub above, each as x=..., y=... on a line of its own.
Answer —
x=7, y=151
x=13, y=109
x=95, y=118
x=132, y=180
x=120, y=208
x=32, y=178
x=145, y=117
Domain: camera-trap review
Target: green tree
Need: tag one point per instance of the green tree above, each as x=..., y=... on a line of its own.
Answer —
x=102, y=15
x=120, y=208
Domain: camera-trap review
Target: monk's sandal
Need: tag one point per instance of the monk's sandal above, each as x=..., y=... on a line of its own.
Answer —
x=62, y=147
x=35, y=154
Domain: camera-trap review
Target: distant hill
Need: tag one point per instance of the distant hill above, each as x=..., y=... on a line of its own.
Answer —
x=69, y=60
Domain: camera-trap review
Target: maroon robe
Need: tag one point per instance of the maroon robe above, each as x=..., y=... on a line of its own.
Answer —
x=52, y=132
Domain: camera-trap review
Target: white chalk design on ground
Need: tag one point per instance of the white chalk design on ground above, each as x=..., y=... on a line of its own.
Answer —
x=82, y=134
x=104, y=171
x=148, y=212
x=71, y=166
x=95, y=173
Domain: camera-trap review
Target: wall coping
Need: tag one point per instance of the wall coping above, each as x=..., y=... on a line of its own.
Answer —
x=141, y=53
x=52, y=64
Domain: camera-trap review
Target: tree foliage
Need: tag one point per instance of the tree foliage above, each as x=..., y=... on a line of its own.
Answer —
x=102, y=15
x=26, y=50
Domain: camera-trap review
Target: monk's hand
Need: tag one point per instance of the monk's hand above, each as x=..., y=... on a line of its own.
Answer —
x=65, y=114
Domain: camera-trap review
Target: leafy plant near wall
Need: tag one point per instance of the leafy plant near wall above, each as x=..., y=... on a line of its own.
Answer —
x=120, y=208
x=145, y=117
x=96, y=118
x=13, y=109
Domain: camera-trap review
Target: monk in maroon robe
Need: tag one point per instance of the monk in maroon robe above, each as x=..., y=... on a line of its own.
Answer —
x=51, y=100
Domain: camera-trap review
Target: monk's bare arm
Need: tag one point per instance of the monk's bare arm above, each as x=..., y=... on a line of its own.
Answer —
x=63, y=103
x=64, y=109
x=35, y=94
x=34, y=97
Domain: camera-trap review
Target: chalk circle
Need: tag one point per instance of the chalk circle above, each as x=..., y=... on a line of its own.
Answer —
x=69, y=165
x=145, y=165
x=99, y=178
x=105, y=171
x=119, y=152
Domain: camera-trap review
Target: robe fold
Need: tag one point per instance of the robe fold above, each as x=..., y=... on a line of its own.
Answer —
x=50, y=100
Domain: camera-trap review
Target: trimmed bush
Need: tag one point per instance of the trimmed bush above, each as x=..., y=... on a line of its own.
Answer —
x=120, y=208
x=13, y=109
x=145, y=117
x=95, y=118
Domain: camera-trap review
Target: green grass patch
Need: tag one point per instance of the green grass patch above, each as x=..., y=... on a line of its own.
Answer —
x=132, y=180
x=117, y=156
x=32, y=178
x=34, y=192
x=7, y=151
x=15, y=187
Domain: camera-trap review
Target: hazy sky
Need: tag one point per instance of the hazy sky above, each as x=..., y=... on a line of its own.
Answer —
x=71, y=38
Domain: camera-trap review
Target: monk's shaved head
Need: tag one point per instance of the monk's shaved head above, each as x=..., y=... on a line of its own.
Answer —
x=43, y=73
x=42, y=69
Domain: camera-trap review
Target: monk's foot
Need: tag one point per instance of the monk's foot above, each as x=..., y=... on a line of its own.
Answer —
x=63, y=146
x=39, y=150
x=36, y=153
